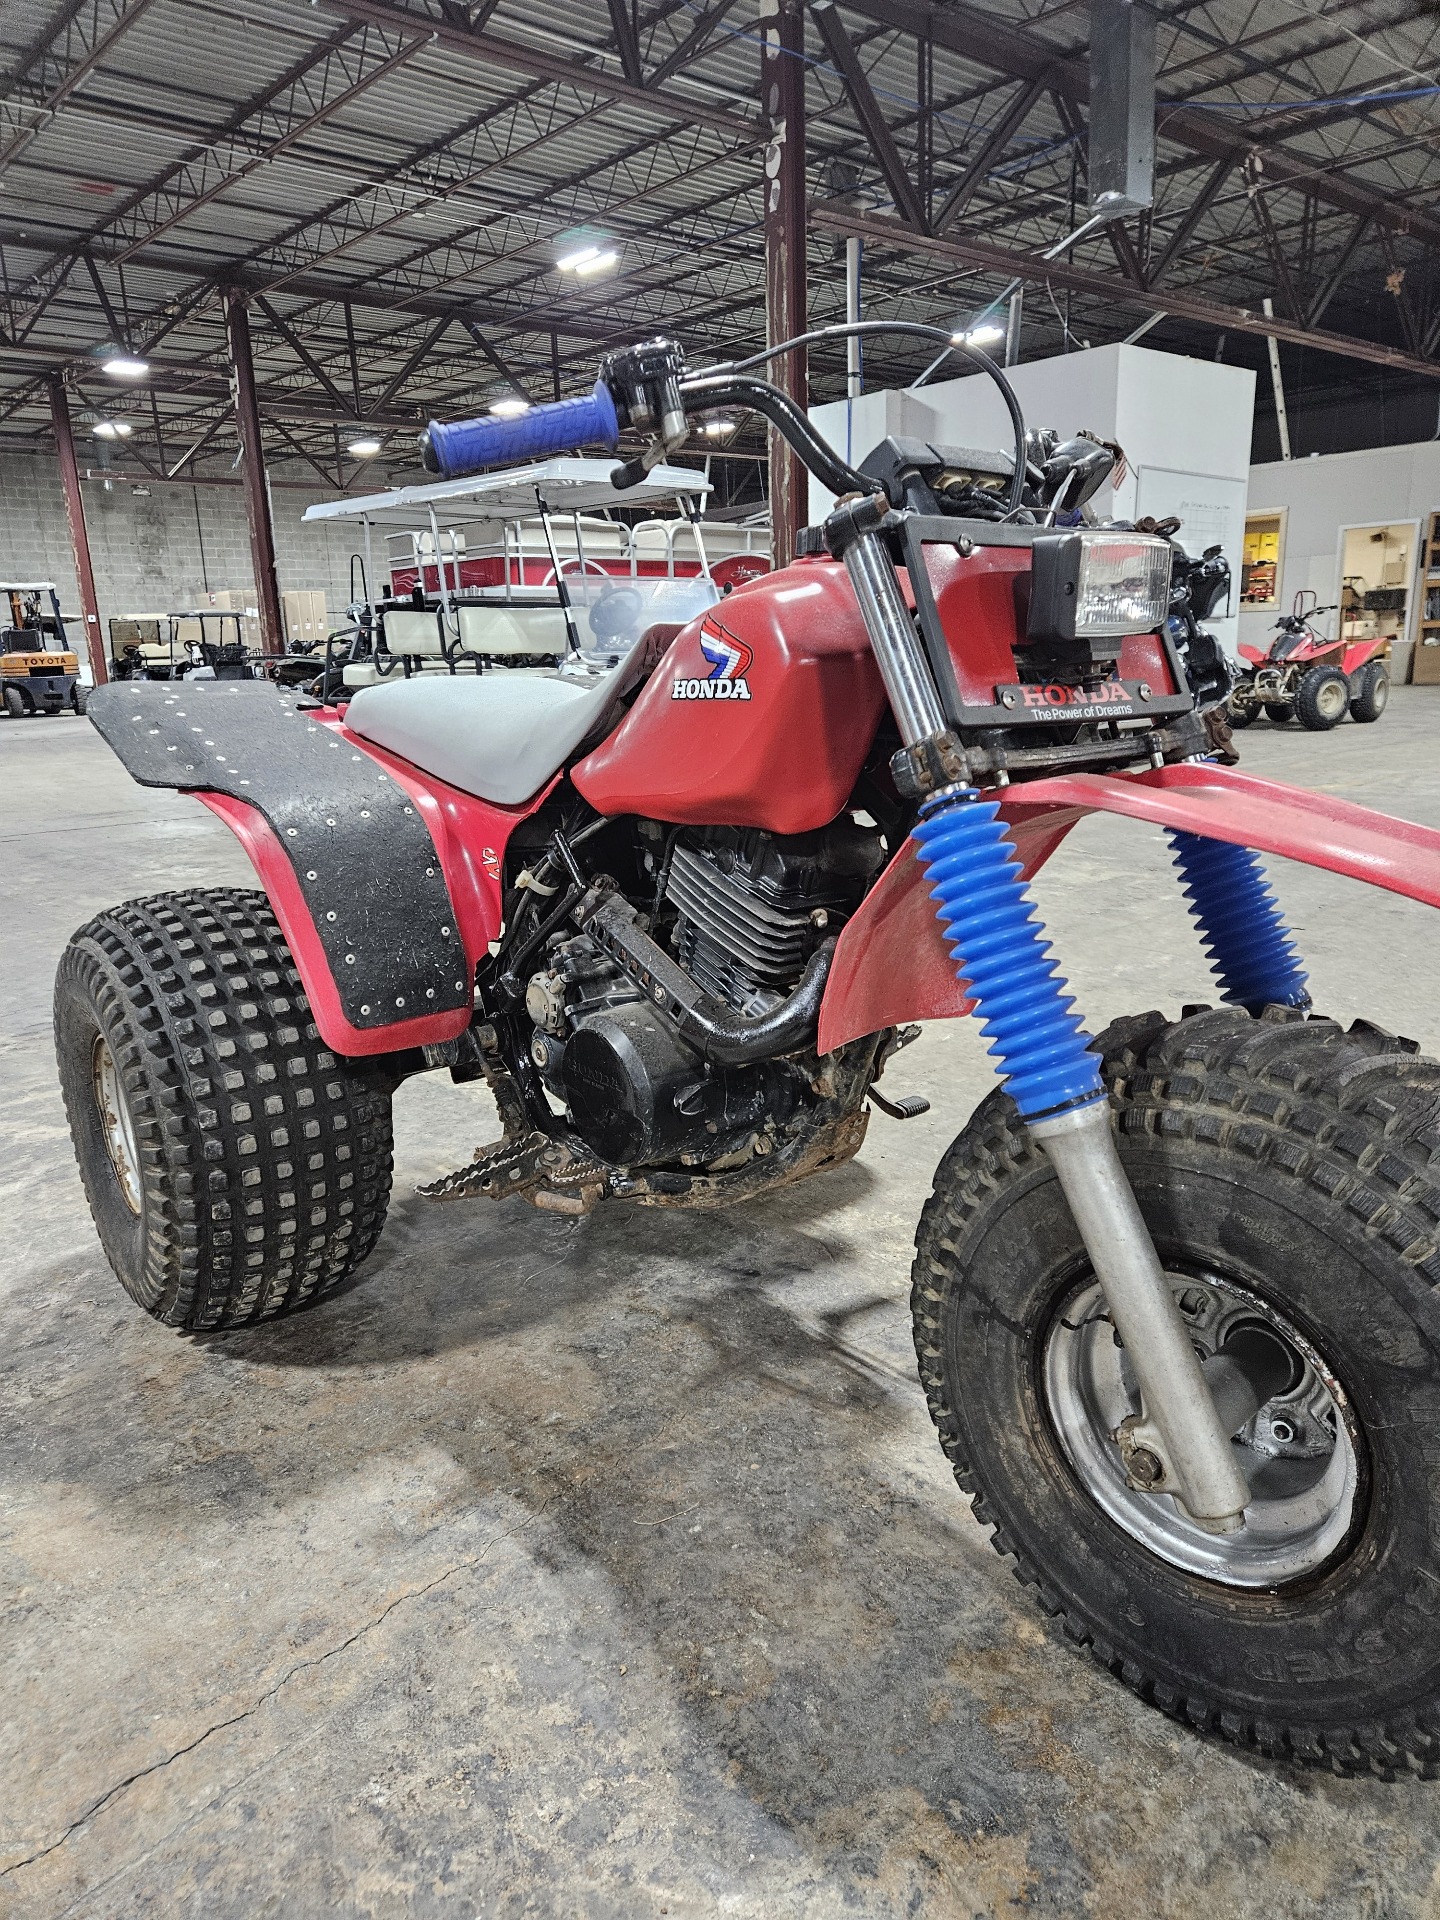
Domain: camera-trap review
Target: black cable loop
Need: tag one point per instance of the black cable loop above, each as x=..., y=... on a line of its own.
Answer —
x=912, y=329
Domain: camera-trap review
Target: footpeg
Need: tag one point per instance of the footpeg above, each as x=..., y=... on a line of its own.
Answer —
x=557, y=1176
x=909, y=1106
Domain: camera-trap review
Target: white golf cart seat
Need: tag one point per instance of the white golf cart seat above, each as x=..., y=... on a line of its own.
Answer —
x=505, y=629
x=499, y=734
x=415, y=633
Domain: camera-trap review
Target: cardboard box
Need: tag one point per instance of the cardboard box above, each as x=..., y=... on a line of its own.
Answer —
x=303, y=616
x=1425, y=666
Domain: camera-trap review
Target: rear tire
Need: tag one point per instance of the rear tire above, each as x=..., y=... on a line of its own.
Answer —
x=1238, y=715
x=235, y=1167
x=78, y=697
x=1299, y=1167
x=1322, y=699
x=15, y=703
x=1369, y=692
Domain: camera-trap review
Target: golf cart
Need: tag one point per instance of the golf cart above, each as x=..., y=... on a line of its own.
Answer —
x=525, y=569
x=39, y=671
x=208, y=644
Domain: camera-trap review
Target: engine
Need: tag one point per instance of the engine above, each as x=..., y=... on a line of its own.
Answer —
x=752, y=907
x=743, y=912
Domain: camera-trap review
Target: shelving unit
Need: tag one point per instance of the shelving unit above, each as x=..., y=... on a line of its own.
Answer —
x=1426, y=669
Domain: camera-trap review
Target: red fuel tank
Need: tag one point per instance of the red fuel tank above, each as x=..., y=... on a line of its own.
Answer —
x=760, y=714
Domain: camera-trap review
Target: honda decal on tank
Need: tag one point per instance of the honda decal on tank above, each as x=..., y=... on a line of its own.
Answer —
x=730, y=660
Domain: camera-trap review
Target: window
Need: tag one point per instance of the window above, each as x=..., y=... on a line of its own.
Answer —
x=1260, y=567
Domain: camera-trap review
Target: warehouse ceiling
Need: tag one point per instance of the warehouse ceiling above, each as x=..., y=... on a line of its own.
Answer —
x=392, y=182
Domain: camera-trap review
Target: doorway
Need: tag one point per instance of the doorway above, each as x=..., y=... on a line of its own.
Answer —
x=1377, y=572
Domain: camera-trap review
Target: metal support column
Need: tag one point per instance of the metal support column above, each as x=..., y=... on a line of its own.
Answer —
x=854, y=374
x=782, y=93
x=79, y=535
x=257, y=496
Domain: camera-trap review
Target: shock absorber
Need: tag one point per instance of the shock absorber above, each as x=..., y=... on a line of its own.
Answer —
x=1241, y=927
x=1177, y=1442
x=1001, y=954
x=1003, y=957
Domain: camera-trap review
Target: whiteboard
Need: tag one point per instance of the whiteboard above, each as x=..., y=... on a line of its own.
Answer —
x=1211, y=511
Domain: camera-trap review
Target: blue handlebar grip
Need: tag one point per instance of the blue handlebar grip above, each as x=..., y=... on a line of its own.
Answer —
x=462, y=446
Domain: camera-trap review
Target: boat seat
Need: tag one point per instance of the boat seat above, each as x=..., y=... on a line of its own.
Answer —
x=500, y=735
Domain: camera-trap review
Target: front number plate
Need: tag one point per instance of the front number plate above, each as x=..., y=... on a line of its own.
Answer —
x=1113, y=700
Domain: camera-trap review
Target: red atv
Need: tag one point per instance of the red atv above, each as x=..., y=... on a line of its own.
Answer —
x=1174, y=1290
x=1313, y=679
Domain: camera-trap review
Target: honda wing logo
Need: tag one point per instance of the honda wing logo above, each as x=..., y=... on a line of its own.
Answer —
x=730, y=661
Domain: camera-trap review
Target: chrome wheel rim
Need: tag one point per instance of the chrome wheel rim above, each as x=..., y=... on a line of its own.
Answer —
x=1299, y=1453
x=115, y=1124
x=1332, y=699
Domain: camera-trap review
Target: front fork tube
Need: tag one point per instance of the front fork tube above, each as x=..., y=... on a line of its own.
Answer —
x=1178, y=1442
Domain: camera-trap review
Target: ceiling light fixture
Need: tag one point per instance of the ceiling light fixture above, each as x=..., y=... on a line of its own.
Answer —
x=124, y=366
x=363, y=449
x=576, y=257
x=598, y=264
x=980, y=336
x=718, y=428
x=114, y=429
x=511, y=407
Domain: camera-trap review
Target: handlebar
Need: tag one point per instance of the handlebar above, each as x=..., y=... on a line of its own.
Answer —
x=648, y=388
x=555, y=426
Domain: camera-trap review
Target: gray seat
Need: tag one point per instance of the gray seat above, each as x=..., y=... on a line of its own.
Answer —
x=499, y=734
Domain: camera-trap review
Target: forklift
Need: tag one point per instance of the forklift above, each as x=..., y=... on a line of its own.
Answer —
x=39, y=672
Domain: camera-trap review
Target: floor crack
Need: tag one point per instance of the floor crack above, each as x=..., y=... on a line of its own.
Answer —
x=237, y=1719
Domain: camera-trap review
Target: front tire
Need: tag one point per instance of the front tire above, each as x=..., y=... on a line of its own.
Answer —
x=1322, y=699
x=1294, y=1169
x=234, y=1166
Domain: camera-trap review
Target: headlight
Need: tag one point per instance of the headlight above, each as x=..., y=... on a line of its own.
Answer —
x=1089, y=588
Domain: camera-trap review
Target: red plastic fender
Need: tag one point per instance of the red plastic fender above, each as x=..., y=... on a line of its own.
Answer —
x=470, y=836
x=1357, y=653
x=891, y=963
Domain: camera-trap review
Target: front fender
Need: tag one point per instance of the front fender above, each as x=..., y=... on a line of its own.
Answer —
x=892, y=965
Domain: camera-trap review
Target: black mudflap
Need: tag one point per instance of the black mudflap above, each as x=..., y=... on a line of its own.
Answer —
x=360, y=850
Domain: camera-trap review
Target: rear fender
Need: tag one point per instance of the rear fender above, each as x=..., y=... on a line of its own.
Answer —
x=386, y=881
x=1358, y=653
x=891, y=963
x=469, y=837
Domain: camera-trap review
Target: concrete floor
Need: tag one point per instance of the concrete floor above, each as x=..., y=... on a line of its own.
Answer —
x=602, y=1568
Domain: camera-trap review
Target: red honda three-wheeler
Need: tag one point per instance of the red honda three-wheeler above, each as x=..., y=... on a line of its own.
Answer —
x=677, y=905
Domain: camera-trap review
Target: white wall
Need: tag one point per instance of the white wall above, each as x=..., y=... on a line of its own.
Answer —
x=855, y=427
x=1372, y=487
x=1184, y=424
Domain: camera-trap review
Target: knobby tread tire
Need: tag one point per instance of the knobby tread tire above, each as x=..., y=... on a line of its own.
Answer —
x=265, y=1158
x=1370, y=692
x=1346, y=1127
x=1307, y=699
